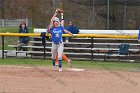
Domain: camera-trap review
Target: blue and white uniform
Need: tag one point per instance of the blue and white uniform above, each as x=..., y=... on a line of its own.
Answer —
x=56, y=33
x=57, y=43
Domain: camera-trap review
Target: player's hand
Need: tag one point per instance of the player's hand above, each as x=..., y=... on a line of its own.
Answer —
x=56, y=12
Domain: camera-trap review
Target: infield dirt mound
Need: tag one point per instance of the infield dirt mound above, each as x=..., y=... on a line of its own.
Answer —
x=47, y=80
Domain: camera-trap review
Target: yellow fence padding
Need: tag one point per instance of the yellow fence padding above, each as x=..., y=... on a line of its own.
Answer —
x=76, y=35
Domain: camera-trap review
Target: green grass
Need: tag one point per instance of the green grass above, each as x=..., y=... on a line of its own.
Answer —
x=119, y=66
x=13, y=30
x=26, y=62
x=9, y=29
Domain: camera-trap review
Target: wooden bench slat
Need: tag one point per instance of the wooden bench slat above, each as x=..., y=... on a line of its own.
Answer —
x=108, y=49
x=113, y=49
x=115, y=44
x=50, y=47
x=63, y=42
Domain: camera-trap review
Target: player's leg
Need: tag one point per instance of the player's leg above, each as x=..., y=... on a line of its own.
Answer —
x=56, y=61
x=60, y=52
x=63, y=57
x=53, y=51
x=66, y=59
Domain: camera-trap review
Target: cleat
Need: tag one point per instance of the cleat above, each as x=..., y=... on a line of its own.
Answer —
x=56, y=64
x=69, y=62
x=60, y=69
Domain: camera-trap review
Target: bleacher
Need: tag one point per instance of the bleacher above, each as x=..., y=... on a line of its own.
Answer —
x=101, y=49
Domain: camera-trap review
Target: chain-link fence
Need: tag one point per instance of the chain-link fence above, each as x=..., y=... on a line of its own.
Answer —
x=13, y=22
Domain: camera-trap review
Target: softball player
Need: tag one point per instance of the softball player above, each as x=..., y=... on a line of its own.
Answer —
x=63, y=55
x=56, y=31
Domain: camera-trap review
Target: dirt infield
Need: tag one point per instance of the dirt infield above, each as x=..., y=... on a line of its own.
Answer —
x=48, y=80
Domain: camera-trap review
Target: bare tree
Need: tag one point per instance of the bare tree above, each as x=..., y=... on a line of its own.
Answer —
x=2, y=8
x=54, y=4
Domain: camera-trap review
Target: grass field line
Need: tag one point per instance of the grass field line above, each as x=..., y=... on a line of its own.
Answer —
x=30, y=63
x=25, y=67
x=32, y=66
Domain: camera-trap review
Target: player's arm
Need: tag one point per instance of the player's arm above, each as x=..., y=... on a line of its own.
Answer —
x=68, y=32
x=62, y=23
x=48, y=29
x=62, y=20
x=51, y=22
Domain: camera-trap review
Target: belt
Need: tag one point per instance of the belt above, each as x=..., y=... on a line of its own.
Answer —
x=57, y=42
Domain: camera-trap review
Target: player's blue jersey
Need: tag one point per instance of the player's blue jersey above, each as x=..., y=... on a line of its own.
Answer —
x=56, y=33
x=139, y=34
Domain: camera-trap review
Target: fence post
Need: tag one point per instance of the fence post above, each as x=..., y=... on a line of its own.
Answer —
x=2, y=47
x=3, y=23
x=92, y=49
x=44, y=51
x=27, y=21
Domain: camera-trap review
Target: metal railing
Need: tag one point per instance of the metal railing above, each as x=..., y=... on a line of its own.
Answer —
x=66, y=35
